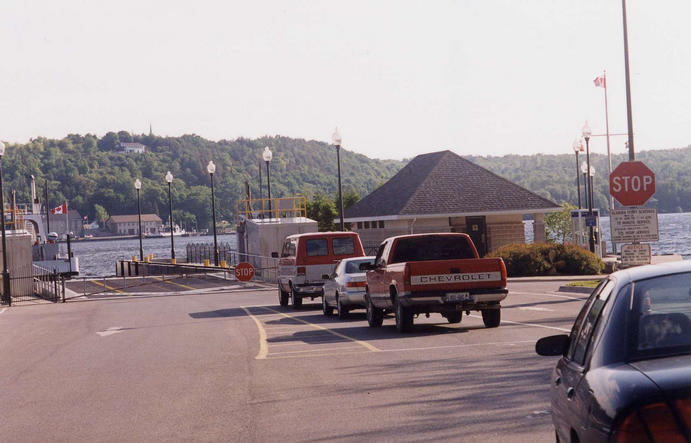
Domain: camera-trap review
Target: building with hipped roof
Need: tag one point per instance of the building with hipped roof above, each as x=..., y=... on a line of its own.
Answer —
x=443, y=192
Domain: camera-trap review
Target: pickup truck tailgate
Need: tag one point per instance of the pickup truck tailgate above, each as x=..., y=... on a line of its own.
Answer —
x=444, y=275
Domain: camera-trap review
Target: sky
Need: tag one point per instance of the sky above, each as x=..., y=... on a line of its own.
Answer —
x=399, y=78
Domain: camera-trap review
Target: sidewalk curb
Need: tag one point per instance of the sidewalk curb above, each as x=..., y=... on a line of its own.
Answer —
x=575, y=289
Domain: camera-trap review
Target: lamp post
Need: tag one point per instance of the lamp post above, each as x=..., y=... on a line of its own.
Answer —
x=138, y=187
x=169, y=179
x=336, y=138
x=5, y=273
x=587, y=132
x=578, y=147
x=211, y=168
x=267, y=156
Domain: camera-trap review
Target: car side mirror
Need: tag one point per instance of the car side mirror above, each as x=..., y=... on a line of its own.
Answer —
x=274, y=255
x=325, y=276
x=552, y=345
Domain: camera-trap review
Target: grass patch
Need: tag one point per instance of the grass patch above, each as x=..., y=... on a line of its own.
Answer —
x=585, y=284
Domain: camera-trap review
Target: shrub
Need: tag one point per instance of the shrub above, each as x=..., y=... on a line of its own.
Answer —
x=547, y=259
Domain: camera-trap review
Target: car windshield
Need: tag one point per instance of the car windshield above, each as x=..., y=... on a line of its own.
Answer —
x=432, y=247
x=660, y=318
x=353, y=266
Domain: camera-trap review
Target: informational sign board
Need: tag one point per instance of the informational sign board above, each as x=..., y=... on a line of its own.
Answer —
x=634, y=225
x=244, y=271
x=635, y=255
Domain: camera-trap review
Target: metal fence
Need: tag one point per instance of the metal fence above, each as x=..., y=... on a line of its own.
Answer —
x=34, y=284
x=198, y=252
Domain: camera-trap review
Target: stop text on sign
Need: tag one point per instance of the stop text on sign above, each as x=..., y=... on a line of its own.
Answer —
x=633, y=184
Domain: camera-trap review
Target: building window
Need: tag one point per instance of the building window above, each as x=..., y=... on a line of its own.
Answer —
x=381, y=224
x=366, y=225
x=359, y=225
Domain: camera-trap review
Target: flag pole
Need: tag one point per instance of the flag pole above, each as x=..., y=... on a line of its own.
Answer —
x=609, y=161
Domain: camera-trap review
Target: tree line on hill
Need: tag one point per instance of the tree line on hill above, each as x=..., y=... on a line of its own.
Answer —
x=96, y=177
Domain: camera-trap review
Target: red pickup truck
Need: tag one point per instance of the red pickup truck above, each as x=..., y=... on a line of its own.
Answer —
x=424, y=273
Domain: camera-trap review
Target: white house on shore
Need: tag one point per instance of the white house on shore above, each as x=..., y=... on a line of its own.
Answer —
x=129, y=224
x=136, y=148
x=443, y=192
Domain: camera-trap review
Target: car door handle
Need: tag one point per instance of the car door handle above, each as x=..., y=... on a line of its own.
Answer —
x=569, y=393
x=557, y=381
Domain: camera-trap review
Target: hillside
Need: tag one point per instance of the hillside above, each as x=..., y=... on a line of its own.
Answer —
x=87, y=171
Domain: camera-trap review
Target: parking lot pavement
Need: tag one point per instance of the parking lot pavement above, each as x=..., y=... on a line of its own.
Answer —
x=232, y=365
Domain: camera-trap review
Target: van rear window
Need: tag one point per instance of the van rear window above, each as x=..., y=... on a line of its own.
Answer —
x=317, y=247
x=343, y=245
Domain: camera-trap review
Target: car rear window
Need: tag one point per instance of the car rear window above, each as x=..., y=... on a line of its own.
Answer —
x=353, y=267
x=343, y=245
x=317, y=247
x=436, y=247
x=660, y=321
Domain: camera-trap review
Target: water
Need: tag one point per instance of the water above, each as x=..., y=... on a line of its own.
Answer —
x=99, y=257
x=675, y=234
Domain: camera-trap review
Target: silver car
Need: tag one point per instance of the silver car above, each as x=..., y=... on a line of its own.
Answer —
x=344, y=289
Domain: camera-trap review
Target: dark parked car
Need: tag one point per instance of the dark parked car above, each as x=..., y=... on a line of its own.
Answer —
x=625, y=370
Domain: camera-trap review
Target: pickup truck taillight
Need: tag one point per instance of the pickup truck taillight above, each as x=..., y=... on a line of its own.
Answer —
x=301, y=270
x=406, y=277
x=356, y=284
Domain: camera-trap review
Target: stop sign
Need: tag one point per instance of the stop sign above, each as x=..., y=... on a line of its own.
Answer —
x=632, y=183
x=244, y=271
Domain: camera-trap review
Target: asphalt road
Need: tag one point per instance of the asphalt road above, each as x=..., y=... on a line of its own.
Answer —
x=231, y=365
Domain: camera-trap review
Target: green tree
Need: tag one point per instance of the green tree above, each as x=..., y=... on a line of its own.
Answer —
x=101, y=214
x=558, y=224
x=322, y=209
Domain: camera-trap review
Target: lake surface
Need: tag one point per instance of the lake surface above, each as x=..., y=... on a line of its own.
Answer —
x=98, y=258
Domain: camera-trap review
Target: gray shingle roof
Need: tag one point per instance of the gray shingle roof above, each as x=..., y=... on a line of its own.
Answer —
x=445, y=183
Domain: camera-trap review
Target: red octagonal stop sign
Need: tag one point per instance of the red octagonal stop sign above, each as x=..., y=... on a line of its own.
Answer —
x=632, y=183
x=244, y=271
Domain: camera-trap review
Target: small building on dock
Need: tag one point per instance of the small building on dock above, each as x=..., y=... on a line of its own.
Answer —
x=443, y=192
x=129, y=224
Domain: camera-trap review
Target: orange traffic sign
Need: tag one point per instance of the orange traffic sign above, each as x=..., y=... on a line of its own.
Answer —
x=244, y=271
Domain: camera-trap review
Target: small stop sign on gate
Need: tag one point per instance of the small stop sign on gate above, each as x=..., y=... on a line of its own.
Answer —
x=244, y=271
x=632, y=183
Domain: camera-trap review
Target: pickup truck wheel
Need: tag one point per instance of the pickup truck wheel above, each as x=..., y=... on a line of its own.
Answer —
x=453, y=317
x=282, y=297
x=342, y=311
x=326, y=309
x=297, y=300
x=404, y=318
x=375, y=316
x=491, y=317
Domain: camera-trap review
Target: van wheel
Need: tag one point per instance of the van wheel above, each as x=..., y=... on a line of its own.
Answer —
x=326, y=309
x=282, y=297
x=491, y=317
x=342, y=311
x=404, y=318
x=454, y=317
x=297, y=299
x=375, y=316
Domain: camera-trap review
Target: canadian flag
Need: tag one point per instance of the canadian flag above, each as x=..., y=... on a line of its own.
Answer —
x=62, y=209
x=600, y=81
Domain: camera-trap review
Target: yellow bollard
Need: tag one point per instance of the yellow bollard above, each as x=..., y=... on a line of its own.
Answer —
x=224, y=264
x=206, y=262
x=172, y=261
x=134, y=258
x=146, y=259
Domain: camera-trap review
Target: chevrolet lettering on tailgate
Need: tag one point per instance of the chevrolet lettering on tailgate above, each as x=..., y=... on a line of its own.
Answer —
x=424, y=273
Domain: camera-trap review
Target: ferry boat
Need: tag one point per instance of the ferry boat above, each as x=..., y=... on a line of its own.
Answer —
x=164, y=231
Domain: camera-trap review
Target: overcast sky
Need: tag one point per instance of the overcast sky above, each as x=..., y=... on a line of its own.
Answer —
x=399, y=78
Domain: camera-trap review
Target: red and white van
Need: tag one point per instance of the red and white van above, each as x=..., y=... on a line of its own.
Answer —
x=305, y=258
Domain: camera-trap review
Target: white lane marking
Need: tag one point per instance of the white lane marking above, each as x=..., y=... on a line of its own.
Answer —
x=110, y=331
x=314, y=350
x=527, y=324
x=3, y=310
x=547, y=294
x=532, y=308
x=537, y=414
x=466, y=345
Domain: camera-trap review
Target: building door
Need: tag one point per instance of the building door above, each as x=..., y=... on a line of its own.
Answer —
x=477, y=230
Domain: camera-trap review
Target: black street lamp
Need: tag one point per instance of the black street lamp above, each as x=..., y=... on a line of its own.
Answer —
x=267, y=156
x=578, y=147
x=5, y=273
x=336, y=138
x=169, y=179
x=586, y=135
x=211, y=168
x=138, y=187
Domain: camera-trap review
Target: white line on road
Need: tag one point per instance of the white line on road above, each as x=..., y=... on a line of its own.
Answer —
x=3, y=310
x=533, y=308
x=546, y=294
x=110, y=331
x=527, y=324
